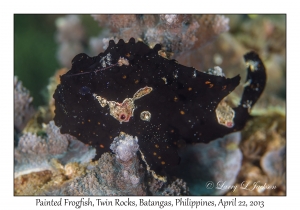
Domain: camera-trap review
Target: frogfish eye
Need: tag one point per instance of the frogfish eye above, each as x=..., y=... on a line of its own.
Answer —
x=122, y=117
x=84, y=90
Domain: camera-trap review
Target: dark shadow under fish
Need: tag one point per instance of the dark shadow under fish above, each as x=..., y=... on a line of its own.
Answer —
x=130, y=88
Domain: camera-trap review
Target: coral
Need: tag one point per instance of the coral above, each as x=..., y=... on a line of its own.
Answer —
x=154, y=186
x=256, y=182
x=119, y=174
x=69, y=29
x=23, y=108
x=216, y=71
x=269, y=34
x=210, y=27
x=97, y=44
x=124, y=25
x=70, y=36
x=98, y=181
x=176, y=33
x=125, y=147
x=263, y=133
x=116, y=22
x=113, y=174
x=274, y=162
x=217, y=161
x=36, y=182
x=263, y=146
x=37, y=123
x=28, y=184
x=176, y=188
x=34, y=153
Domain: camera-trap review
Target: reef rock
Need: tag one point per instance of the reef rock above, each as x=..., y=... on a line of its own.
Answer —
x=209, y=168
x=23, y=108
x=34, y=153
x=121, y=173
